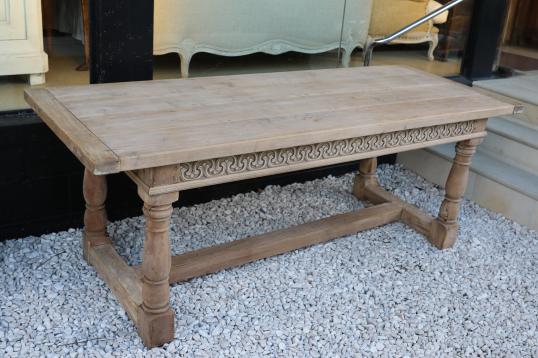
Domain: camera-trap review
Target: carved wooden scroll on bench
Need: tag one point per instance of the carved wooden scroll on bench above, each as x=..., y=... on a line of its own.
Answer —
x=173, y=135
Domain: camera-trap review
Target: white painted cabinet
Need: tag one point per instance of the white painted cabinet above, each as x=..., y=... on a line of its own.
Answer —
x=21, y=40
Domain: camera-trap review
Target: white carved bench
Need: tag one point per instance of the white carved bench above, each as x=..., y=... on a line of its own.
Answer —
x=242, y=27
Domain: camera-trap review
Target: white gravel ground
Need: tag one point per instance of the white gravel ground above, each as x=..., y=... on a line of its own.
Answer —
x=383, y=292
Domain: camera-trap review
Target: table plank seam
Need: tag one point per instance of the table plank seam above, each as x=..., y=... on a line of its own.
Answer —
x=81, y=141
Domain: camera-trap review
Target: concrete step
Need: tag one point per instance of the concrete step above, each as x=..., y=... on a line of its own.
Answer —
x=521, y=89
x=493, y=183
x=513, y=142
x=522, y=58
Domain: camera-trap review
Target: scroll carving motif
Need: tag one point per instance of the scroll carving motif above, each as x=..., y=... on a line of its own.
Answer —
x=205, y=169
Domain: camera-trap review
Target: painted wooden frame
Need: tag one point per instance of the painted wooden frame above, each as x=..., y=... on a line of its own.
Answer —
x=21, y=40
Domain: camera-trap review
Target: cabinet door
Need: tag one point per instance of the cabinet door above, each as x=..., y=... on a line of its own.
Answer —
x=13, y=20
x=21, y=40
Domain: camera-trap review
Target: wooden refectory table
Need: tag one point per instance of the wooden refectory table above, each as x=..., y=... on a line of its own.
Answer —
x=173, y=135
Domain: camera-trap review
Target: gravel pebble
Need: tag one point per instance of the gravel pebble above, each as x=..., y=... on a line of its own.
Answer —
x=383, y=292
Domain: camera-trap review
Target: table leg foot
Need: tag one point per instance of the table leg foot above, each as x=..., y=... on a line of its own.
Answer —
x=156, y=318
x=366, y=177
x=94, y=189
x=156, y=329
x=444, y=229
x=443, y=235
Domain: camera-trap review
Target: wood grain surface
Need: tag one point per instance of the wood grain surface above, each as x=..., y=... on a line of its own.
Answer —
x=156, y=123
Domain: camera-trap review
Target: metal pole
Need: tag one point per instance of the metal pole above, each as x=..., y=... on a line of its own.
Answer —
x=368, y=50
x=341, y=34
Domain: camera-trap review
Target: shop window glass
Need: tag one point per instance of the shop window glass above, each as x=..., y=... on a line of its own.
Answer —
x=247, y=36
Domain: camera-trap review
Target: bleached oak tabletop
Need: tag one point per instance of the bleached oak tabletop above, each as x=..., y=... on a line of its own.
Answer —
x=135, y=125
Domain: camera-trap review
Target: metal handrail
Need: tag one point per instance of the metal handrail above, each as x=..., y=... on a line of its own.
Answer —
x=385, y=40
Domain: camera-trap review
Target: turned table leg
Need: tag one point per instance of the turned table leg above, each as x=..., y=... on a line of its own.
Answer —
x=156, y=318
x=445, y=228
x=365, y=177
x=95, y=220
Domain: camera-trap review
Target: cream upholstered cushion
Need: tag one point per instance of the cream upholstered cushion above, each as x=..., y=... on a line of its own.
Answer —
x=441, y=18
x=389, y=16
